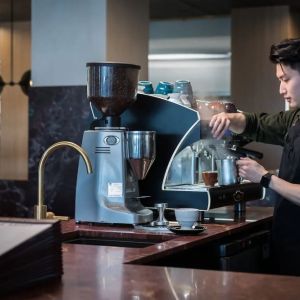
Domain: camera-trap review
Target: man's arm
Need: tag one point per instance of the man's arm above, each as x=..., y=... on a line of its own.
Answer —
x=253, y=171
x=286, y=189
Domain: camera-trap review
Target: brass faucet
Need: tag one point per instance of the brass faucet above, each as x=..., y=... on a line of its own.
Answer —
x=40, y=210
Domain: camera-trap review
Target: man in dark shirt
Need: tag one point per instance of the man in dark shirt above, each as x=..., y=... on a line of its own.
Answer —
x=283, y=129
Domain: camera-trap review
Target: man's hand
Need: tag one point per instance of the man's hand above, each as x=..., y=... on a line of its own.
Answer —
x=219, y=123
x=250, y=169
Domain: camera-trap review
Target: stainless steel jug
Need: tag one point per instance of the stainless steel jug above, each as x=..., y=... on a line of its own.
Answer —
x=227, y=171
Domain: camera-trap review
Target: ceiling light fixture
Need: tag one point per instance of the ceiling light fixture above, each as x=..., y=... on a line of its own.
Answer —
x=188, y=56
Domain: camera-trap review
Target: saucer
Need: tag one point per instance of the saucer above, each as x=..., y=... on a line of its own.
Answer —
x=196, y=230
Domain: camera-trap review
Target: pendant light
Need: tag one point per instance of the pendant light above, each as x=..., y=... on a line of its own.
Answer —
x=24, y=83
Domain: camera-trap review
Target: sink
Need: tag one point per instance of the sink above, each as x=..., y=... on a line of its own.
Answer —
x=132, y=243
x=96, y=238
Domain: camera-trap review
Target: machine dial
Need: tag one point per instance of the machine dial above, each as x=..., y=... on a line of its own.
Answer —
x=238, y=196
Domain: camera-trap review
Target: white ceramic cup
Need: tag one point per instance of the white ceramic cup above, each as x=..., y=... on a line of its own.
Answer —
x=186, y=217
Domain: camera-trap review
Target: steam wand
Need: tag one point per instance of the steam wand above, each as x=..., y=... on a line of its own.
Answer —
x=212, y=161
x=213, y=149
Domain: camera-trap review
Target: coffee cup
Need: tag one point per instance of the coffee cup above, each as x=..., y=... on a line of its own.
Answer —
x=145, y=87
x=164, y=88
x=187, y=217
x=210, y=178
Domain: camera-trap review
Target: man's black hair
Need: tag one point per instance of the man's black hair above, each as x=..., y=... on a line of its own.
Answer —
x=287, y=52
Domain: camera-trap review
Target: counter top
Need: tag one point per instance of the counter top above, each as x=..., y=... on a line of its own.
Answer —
x=168, y=242
x=104, y=272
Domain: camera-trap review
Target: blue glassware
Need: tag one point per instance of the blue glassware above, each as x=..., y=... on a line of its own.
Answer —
x=164, y=88
x=145, y=87
x=183, y=87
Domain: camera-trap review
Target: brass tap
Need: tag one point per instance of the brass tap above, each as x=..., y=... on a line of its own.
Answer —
x=40, y=210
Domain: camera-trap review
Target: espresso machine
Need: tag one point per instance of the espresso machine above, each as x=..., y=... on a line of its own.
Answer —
x=120, y=157
x=185, y=148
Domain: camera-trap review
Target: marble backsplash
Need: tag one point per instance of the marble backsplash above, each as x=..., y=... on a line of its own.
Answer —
x=55, y=114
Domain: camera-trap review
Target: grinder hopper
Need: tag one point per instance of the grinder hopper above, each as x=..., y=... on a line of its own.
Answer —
x=111, y=88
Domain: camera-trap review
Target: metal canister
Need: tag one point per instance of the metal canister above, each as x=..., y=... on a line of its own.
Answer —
x=227, y=171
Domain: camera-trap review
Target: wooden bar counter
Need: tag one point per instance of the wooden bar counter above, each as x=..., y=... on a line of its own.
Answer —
x=106, y=272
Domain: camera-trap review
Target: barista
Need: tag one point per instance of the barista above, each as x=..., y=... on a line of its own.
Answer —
x=282, y=128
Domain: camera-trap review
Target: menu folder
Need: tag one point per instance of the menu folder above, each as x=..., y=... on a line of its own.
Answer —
x=30, y=252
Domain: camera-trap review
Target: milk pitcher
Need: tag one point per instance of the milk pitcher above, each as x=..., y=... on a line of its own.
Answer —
x=227, y=171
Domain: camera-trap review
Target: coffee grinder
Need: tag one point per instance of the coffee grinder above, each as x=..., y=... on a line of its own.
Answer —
x=119, y=157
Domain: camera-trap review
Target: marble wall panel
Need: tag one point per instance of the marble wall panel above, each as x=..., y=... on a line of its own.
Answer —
x=55, y=114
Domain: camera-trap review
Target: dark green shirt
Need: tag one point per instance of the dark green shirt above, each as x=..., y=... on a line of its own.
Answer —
x=270, y=128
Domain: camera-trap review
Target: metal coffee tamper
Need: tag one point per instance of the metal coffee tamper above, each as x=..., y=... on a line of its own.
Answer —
x=161, y=221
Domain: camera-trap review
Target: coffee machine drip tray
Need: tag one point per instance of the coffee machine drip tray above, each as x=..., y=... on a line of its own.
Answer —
x=188, y=187
x=200, y=187
x=218, y=196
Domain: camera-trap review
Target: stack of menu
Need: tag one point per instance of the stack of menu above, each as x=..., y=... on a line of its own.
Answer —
x=30, y=252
